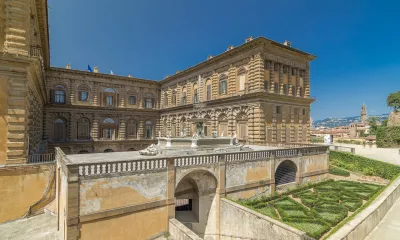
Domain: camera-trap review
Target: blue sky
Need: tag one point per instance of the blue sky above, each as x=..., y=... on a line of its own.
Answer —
x=356, y=42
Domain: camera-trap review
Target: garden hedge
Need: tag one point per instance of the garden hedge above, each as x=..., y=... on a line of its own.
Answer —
x=364, y=165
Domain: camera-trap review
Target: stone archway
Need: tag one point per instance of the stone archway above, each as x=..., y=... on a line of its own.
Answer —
x=285, y=173
x=108, y=150
x=195, y=199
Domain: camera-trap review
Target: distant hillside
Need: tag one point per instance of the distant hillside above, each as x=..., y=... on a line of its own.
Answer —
x=336, y=122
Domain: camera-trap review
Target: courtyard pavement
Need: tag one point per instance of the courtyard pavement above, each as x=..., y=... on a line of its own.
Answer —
x=41, y=227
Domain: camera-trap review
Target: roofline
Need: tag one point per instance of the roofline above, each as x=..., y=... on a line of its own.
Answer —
x=101, y=75
x=255, y=42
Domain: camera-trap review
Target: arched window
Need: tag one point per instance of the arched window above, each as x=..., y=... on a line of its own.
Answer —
x=242, y=79
x=183, y=101
x=165, y=99
x=109, y=95
x=223, y=84
x=83, y=93
x=59, y=130
x=108, y=128
x=148, y=127
x=208, y=90
x=83, y=128
x=173, y=98
x=183, y=127
x=195, y=93
x=131, y=129
x=58, y=95
x=148, y=100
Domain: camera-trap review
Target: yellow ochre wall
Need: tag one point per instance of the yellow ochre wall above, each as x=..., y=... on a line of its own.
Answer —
x=139, y=225
x=20, y=187
x=3, y=119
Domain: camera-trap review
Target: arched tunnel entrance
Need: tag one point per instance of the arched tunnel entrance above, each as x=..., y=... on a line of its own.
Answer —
x=285, y=173
x=195, y=202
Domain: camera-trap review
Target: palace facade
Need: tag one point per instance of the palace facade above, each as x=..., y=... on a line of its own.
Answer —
x=260, y=90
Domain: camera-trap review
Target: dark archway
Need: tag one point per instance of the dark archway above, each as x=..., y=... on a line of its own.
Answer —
x=285, y=173
x=108, y=150
x=131, y=149
x=83, y=152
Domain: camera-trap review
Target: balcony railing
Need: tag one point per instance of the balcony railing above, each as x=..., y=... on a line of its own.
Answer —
x=41, y=158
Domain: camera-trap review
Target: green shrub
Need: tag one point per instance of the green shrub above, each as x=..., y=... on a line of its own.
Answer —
x=302, y=193
x=357, y=163
x=387, y=137
x=352, y=204
x=330, y=215
x=337, y=171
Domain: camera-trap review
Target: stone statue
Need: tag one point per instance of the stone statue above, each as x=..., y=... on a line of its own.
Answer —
x=195, y=135
x=159, y=133
x=235, y=140
x=181, y=135
x=169, y=134
x=149, y=151
x=214, y=134
x=222, y=134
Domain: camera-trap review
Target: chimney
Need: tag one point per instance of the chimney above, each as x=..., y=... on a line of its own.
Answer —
x=130, y=75
x=230, y=48
x=68, y=66
x=248, y=39
x=209, y=57
x=287, y=43
x=96, y=69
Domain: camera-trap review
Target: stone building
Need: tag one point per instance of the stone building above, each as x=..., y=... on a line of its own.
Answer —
x=260, y=90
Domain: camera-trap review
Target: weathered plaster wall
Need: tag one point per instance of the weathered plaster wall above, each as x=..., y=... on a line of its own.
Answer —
x=61, y=199
x=238, y=222
x=314, y=163
x=20, y=187
x=138, y=225
x=249, y=193
x=116, y=192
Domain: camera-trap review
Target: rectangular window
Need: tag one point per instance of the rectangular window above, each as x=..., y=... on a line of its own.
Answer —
x=222, y=87
x=266, y=85
x=293, y=71
x=208, y=92
x=278, y=109
x=184, y=99
x=84, y=96
x=132, y=100
x=195, y=98
x=242, y=85
x=276, y=67
x=284, y=89
x=109, y=101
x=59, y=97
x=276, y=88
x=149, y=103
x=304, y=112
x=108, y=132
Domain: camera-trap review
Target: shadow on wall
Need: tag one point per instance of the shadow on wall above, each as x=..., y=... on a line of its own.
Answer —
x=25, y=190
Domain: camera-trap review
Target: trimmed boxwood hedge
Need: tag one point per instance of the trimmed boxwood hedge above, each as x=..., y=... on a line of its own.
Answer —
x=364, y=165
x=337, y=171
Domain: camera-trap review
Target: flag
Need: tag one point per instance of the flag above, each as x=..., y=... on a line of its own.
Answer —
x=111, y=72
x=89, y=68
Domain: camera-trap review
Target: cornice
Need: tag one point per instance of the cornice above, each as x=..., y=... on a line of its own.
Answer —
x=97, y=109
x=260, y=41
x=43, y=18
x=101, y=75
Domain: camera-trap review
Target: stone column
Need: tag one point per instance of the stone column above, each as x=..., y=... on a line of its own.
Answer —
x=259, y=73
x=140, y=129
x=259, y=121
x=171, y=188
x=72, y=214
x=122, y=129
x=221, y=192
x=95, y=128
x=280, y=79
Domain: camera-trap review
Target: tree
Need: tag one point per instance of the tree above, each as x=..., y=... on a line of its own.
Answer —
x=373, y=125
x=393, y=100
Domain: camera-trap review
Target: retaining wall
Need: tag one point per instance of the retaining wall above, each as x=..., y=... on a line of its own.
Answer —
x=180, y=232
x=238, y=222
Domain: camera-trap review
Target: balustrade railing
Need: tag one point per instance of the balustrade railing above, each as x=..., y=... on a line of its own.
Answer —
x=121, y=167
x=41, y=158
x=102, y=168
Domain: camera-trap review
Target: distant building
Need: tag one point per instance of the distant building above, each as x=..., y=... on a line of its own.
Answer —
x=363, y=113
x=357, y=129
